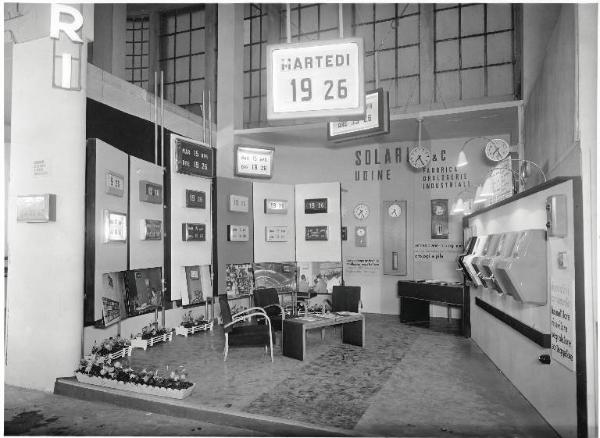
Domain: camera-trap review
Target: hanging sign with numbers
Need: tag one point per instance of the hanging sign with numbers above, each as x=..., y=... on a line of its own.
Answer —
x=254, y=162
x=193, y=158
x=317, y=79
x=376, y=121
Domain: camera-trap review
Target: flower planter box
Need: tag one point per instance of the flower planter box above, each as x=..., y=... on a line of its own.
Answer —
x=145, y=343
x=185, y=331
x=123, y=352
x=140, y=388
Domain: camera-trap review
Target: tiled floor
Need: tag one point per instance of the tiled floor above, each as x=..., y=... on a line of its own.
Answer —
x=407, y=381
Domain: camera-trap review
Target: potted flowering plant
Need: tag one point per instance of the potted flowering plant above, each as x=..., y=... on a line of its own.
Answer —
x=190, y=325
x=150, y=335
x=100, y=370
x=113, y=347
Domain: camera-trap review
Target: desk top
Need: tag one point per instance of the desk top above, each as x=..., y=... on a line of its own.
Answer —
x=316, y=321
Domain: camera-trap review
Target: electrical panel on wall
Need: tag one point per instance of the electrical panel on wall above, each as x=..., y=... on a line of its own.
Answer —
x=394, y=214
x=107, y=232
x=191, y=169
x=146, y=245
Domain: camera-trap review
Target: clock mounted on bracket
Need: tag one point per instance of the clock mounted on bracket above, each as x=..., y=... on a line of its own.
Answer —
x=361, y=211
x=497, y=149
x=419, y=157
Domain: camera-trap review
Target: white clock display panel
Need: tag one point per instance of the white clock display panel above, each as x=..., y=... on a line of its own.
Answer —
x=394, y=210
x=419, y=157
x=361, y=211
x=497, y=149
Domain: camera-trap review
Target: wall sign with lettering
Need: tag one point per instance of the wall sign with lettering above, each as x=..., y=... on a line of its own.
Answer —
x=376, y=121
x=193, y=158
x=193, y=232
x=114, y=184
x=319, y=232
x=315, y=79
x=150, y=229
x=238, y=233
x=151, y=192
x=254, y=162
x=115, y=226
x=276, y=233
x=195, y=199
x=238, y=203
x=276, y=206
x=36, y=208
x=314, y=206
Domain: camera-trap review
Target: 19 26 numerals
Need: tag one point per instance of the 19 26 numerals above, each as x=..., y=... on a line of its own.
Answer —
x=331, y=90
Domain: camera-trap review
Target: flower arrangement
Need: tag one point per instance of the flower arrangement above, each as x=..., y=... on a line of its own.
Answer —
x=189, y=321
x=110, y=345
x=120, y=371
x=152, y=330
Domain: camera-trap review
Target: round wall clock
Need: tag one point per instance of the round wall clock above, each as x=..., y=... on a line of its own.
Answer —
x=394, y=210
x=419, y=157
x=361, y=211
x=497, y=149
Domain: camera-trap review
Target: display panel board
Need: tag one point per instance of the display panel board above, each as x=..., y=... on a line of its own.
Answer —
x=146, y=214
x=190, y=203
x=321, y=196
x=316, y=79
x=106, y=224
x=236, y=251
x=274, y=212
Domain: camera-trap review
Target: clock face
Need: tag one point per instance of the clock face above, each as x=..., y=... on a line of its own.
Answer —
x=497, y=149
x=361, y=211
x=360, y=231
x=394, y=210
x=419, y=157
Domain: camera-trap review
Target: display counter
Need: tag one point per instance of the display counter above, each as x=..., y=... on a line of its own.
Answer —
x=415, y=297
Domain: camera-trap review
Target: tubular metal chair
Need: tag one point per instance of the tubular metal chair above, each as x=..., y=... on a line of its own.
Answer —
x=268, y=299
x=247, y=334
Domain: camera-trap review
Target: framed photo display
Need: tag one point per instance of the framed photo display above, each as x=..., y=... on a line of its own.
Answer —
x=253, y=162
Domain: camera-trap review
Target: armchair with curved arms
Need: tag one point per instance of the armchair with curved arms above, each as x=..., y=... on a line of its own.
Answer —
x=248, y=334
x=268, y=299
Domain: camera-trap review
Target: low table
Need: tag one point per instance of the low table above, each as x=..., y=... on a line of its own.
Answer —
x=294, y=331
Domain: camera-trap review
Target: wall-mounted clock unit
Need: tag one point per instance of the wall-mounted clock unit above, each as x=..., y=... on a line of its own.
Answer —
x=360, y=236
x=497, y=149
x=361, y=211
x=419, y=157
x=394, y=210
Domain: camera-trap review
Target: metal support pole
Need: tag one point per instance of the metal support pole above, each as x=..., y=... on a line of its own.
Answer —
x=209, y=119
x=155, y=117
x=162, y=120
x=376, y=55
x=341, y=19
x=288, y=23
x=203, y=118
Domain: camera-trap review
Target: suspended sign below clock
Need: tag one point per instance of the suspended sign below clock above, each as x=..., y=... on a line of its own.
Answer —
x=316, y=79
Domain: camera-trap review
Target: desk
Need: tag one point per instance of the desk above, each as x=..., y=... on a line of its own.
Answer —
x=415, y=297
x=294, y=331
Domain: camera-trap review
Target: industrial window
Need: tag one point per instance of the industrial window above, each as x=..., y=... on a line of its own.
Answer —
x=392, y=30
x=310, y=22
x=474, y=51
x=182, y=56
x=136, y=63
x=255, y=76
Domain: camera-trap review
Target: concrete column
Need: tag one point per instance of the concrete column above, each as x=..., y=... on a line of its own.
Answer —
x=110, y=37
x=45, y=270
x=229, y=83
